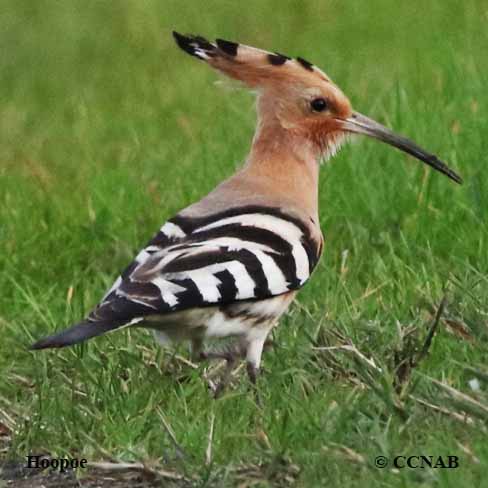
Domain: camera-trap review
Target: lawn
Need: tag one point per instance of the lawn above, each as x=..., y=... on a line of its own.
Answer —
x=107, y=130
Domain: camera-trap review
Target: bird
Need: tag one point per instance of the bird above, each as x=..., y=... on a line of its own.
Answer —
x=228, y=266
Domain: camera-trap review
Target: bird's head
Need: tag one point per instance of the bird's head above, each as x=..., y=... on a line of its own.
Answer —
x=297, y=98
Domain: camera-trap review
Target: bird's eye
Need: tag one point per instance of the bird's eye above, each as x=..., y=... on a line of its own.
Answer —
x=318, y=104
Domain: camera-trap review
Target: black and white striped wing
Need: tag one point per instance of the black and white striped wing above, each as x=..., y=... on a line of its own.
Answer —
x=240, y=254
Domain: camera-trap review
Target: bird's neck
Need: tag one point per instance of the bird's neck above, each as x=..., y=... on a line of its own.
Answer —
x=287, y=164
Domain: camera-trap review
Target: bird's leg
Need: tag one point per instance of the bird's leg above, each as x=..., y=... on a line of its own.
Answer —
x=250, y=348
x=230, y=359
x=196, y=348
x=230, y=354
x=229, y=351
x=253, y=373
x=224, y=381
x=256, y=342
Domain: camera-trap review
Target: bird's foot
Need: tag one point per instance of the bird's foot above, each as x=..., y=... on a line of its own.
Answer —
x=231, y=357
x=231, y=354
x=253, y=374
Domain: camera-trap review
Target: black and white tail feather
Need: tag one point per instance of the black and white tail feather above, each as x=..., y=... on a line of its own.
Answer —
x=242, y=254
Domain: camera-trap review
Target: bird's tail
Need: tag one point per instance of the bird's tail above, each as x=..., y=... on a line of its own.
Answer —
x=75, y=334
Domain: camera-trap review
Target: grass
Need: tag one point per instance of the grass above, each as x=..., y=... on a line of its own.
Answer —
x=106, y=130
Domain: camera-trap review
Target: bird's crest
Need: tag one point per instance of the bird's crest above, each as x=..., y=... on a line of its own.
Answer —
x=254, y=67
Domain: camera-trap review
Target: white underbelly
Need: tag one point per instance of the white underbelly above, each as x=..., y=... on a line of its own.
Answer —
x=237, y=319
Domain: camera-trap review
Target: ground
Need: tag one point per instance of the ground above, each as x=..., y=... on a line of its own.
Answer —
x=106, y=130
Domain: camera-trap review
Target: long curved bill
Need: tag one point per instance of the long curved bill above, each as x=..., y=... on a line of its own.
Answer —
x=360, y=124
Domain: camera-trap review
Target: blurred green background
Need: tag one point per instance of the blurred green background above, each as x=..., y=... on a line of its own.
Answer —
x=107, y=129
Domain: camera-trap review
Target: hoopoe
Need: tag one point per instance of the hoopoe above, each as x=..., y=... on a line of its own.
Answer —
x=230, y=264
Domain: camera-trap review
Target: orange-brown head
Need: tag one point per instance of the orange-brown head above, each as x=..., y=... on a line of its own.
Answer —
x=298, y=99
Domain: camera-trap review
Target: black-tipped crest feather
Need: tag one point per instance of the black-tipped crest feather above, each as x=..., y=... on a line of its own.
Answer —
x=228, y=47
x=196, y=46
x=277, y=59
x=306, y=64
